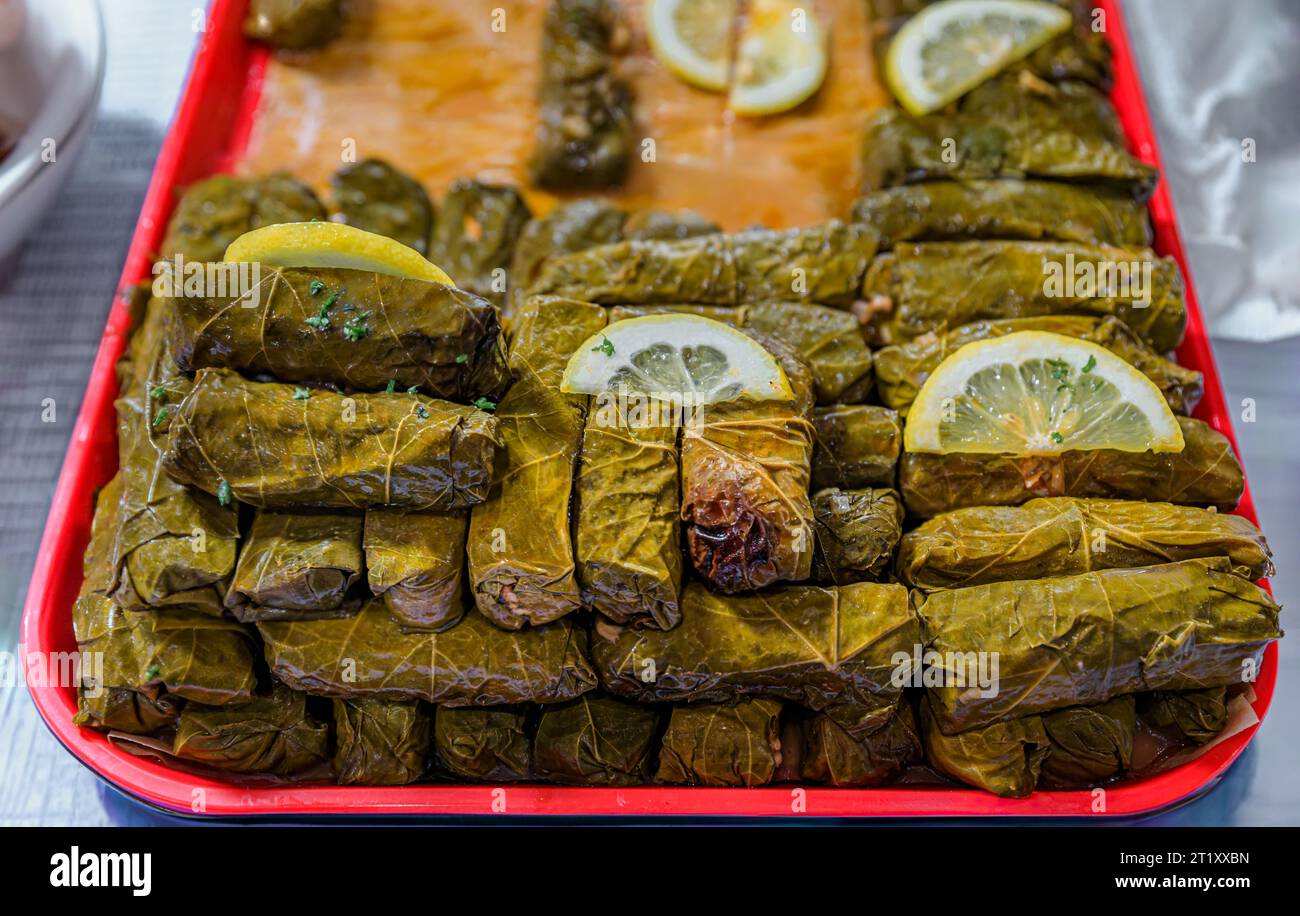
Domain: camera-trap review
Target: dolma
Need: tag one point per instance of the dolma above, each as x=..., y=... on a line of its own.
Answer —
x=294, y=24
x=1009, y=127
x=823, y=264
x=379, y=743
x=374, y=196
x=627, y=537
x=584, y=138
x=570, y=227
x=214, y=212
x=833, y=756
x=415, y=561
x=1063, y=537
x=521, y=554
x=711, y=745
x=268, y=445
x=296, y=562
x=475, y=233
x=126, y=711
x=813, y=646
x=666, y=225
x=471, y=664
x=1081, y=640
x=596, y=740
x=932, y=287
x=1073, y=747
x=483, y=744
x=1196, y=716
x=745, y=474
x=149, y=371
x=348, y=328
x=857, y=447
x=938, y=211
x=1204, y=473
x=857, y=531
x=273, y=735
x=902, y=369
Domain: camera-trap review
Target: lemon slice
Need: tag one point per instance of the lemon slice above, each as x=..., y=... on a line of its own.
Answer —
x=692, y=38
x=951, y=47
x=322, y=244
x=676, y=357
x=1037, y=393
x=781, y=58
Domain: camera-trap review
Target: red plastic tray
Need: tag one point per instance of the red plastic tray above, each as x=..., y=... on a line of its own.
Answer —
x=209, y=134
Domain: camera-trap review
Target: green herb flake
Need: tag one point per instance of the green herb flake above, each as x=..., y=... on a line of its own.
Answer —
x=160, y=416
x=461, y=359
x=421, y=412
x=1090, y=364
x=152, y=673
x=1057, y=438
x=158, y=393
x=301, y=394
x=317, y=287
x=223, y=493
x=605, y=346
x=355, y=328
x=414, y=389
x=392, y=385
x=484, y=404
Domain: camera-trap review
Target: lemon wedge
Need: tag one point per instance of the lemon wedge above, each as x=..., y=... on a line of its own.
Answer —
x=323, y=244
x=781, y=58
x=692, y=38
x=950, y=47
x=679, y=357
x=1037, y=393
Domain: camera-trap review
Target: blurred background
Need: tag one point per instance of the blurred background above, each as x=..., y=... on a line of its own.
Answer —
x=1212, y=81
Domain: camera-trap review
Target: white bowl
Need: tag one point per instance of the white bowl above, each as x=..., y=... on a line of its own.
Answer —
x=49, y=88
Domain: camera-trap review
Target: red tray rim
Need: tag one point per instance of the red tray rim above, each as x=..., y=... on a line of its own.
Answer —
x=193, y=149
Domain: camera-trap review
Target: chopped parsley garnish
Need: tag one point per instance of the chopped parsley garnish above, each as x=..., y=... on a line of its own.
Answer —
x=355, y=328
x=158, y=393
x=1060, y=373
x=1057, y=438
x=414, y=389
x=152, y=673
x=605, y=346
x=392, y=385
x=461, y=359
x=301, y=394
x=321, y=320
x=1090, y=364
x=484, y=404
x=317, y=287
x=421, y=412
x=223, y=493
x=160, y=416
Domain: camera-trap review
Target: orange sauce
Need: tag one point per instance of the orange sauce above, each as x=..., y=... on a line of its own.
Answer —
x=432, y=88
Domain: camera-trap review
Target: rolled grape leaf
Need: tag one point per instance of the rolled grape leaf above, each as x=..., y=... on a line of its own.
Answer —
x=471, y=664
x=349, y=328
x=521, y=554
x=126, y=711
x=294, y=24
x=666, y=225
x=711, y=745
x=1177, y=626
x=1204, y=473
x=857, y=447
x=379, y=743
x=475, y=233
x=374, y=196
x=596, y=740
x=1089, y=744
x=902, y=369
x=857, y=531
x=570, y=227
x=483, y=744
x=214, y=212
x=272, y=734
x=932, y=287
x=835, y=757
x=813, y=646
x=275, y=446
x=627, y=537
x=415, y=561
x=1064, y=536
x=298, y=562
x=940, y=211
x=1196, y=716
x=584, y=140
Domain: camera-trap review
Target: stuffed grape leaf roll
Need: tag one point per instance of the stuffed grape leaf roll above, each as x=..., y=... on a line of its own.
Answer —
x=278, y=446
x=484, y=744
x=349, y=328
x=521, y=554
x=857, y=531
x=1204, y=473
x=214, y=212
x=596, y=740
x=379, y=743
x=416, y=561
x=1063, y=537
x=374, y=196
x=833, y=756
x=475, y=233
x=938, y=211
x=813, y=646
x=902, y=369
x=273, y=734
x=931, y=287
x=297, y=565
x=712, y=745
x=1195, y=716
x=473, y=663
x=628, y=541
x=1081, y=640
x=857, y=447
